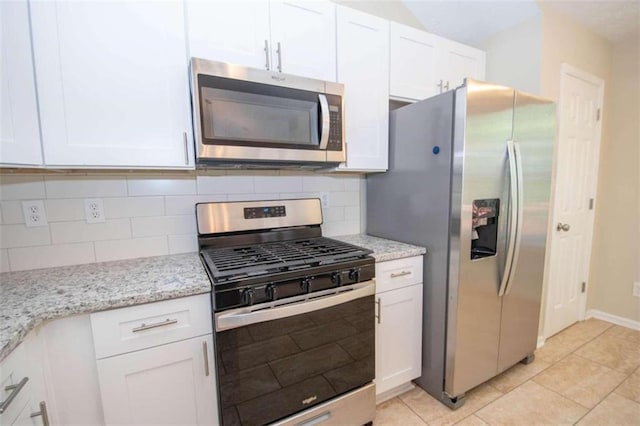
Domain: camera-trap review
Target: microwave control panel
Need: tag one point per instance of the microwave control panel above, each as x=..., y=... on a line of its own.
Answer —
x=335, y=120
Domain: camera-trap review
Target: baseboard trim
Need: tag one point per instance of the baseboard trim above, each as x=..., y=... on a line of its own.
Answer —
x=540, y=343
x=392, y=393
x=614, y=319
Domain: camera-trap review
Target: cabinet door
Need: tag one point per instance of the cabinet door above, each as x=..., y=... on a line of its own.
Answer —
x=19, y=128
x=168, y=384
x=459, y=61
x=363, y=67
x=413, y=63
x=398, y=337
x=112, y=83
x=230, y=31
x=305, y=34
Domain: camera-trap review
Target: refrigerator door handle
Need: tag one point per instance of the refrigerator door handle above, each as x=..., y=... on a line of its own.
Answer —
x=519, y=222
x=513, y=217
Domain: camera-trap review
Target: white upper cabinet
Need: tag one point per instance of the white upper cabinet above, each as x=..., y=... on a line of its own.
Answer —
x=112, y=83
x=293, y=37
x=458, y=61
x=413, y=63
x=19, y=128
x=303, y=38
x=363, y=67
x=230, y=31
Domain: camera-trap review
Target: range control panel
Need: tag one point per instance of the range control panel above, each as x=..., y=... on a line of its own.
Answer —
x=262, y=212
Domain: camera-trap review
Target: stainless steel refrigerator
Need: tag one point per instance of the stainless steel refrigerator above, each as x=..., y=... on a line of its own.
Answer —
x=469, y=179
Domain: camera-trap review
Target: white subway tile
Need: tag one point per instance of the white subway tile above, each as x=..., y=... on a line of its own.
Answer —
x=24, y=187
x=133, y=207
x=344, y=198
x=139, y=186
x=185, y=204
x=12, y=212
x=131, y=248
x=320, y=183
x=332, y=214
x=345, y=227
x=75, y=232
x=252, y=197
x=21, y=259
x=234, y=184
x=21, y=236
x=163, y=225
x=85, y=186
x=298, y=195
x=352, y=212
x=4, y=261
x=183, y=244
x=65, y=209
x=351, y=183
x=266, y=184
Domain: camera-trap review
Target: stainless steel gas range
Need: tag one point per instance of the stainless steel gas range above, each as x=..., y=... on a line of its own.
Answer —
x=293, y=315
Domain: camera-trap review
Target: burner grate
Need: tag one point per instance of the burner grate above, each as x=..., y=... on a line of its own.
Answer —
x=268, y=258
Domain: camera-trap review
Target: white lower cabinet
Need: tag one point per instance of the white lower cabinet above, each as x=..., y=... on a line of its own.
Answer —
x=398, y=324
x=167, y=384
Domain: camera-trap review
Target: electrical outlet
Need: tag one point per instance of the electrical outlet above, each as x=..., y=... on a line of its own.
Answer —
x=34, y=213
x=94, y=211
x=636, y=289
x=324, y=199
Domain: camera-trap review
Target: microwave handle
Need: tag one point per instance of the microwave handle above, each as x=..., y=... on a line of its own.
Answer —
x=325, y=121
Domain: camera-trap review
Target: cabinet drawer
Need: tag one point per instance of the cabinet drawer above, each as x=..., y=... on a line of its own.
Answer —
x=143, y=326
x=399, y=273
x=13, y=373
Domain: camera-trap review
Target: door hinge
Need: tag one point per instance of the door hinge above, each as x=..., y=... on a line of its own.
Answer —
x=598, y=114
x=590, y=203
x=584, y=286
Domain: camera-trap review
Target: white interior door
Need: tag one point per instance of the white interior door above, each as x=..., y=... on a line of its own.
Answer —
x=576, y=177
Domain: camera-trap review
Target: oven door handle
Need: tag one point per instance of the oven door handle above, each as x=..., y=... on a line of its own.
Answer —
x=241, y=317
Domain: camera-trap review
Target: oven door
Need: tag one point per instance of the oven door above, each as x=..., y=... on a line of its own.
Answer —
x=251, y=121
x=277, y=361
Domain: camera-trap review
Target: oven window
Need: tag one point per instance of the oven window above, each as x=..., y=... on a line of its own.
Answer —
x=271, y=370
x=240, y=116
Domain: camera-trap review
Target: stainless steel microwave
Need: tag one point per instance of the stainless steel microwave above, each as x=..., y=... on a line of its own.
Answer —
x=249, y=117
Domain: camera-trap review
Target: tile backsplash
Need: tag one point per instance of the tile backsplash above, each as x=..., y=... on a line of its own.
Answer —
x=146, y=214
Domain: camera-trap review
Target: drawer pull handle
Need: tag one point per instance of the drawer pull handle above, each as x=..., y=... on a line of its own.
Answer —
x=379, y=316
x=401, y=274
x=205, y=353
x=15, y=390
x=43, y=412
x=154, y=325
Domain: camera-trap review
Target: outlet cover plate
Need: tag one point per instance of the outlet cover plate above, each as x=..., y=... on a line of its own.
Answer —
x=34, y=213
x=324, y=199
x=94, y=210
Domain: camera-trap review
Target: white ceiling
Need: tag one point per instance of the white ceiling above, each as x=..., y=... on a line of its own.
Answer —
x=471, y=21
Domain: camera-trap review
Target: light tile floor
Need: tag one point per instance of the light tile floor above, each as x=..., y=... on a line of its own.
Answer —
x=588, y=374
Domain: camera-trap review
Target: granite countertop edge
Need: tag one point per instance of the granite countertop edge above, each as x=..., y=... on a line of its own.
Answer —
x=32, y=297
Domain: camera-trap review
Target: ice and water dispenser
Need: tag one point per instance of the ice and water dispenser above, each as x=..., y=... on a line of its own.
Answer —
x=484, y=229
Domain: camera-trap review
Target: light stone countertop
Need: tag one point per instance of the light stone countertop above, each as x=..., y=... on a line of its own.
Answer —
x=383, y=249
x=28, y=298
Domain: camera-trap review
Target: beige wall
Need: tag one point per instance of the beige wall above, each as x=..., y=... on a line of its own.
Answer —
x=616, y=255
x=393, y=10
x=514, y=55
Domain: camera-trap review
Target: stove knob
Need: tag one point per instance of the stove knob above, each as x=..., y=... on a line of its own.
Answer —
x=272, y=292
x=305, y=284
x=247, y=297
x=336, y=279
x=354, y=275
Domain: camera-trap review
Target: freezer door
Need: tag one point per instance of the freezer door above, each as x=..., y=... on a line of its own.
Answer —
x=480, y=177
x=533, y=137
